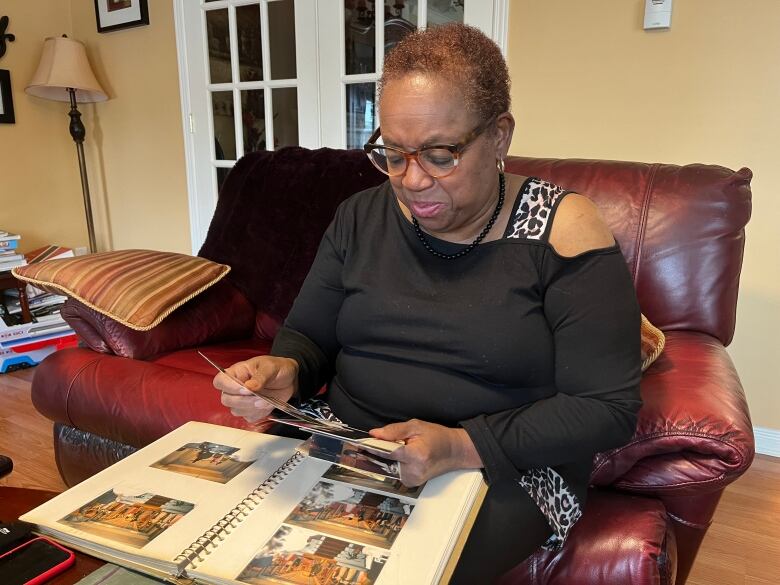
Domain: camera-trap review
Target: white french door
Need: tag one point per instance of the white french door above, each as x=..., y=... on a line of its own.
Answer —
x=264, y=74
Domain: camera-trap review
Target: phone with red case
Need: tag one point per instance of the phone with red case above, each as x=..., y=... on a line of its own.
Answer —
x=33, y=562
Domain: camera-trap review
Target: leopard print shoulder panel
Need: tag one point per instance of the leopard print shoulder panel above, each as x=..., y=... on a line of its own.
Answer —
x=535, y=209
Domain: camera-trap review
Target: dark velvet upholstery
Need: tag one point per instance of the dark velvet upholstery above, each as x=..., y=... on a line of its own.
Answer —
x=681, y=230
x=272, y=213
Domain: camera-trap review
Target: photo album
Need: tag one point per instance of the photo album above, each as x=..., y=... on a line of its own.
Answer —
x=219, y=505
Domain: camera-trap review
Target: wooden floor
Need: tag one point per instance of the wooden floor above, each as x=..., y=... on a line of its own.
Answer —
x=741, y=548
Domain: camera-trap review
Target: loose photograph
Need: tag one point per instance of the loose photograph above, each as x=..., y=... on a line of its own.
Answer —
x=347, y=512
x=372, y=481
x=205, y=460
x=347, y=455
x=133, y=520
x=295, y=555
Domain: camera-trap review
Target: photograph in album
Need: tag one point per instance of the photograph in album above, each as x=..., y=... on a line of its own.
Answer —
x=353, y=513
x=205, y=460
x=132, y=519
x=295, y=555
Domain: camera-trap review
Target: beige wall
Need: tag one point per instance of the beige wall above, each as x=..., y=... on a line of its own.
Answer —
x=134, y=145
x=40, y=195
x=589, y=82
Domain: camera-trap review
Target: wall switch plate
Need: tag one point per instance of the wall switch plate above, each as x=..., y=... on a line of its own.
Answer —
x=658, y=14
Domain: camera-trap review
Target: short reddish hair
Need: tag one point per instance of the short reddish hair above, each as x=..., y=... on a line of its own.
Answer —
x=460, y=54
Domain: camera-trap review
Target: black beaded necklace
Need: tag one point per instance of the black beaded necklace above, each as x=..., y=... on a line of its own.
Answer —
x=477, y=240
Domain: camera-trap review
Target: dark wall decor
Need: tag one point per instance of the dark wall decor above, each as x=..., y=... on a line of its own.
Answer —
x=6, y=98
x=3, y=36
x=118, y=14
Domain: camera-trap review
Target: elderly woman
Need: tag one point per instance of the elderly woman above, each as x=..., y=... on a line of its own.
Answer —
x=488, y=320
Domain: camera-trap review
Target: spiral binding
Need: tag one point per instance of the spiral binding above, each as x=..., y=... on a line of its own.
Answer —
x=199, y=548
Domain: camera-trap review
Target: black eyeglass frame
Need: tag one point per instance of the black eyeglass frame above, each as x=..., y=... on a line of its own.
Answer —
x=456, y=150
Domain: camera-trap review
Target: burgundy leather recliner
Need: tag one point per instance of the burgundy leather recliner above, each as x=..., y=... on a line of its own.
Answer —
x=681, y=229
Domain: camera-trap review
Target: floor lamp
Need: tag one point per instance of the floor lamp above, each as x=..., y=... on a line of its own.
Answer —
x=64, y=75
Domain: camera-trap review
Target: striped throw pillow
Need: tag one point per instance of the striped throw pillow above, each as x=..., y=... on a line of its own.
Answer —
x=137, y=288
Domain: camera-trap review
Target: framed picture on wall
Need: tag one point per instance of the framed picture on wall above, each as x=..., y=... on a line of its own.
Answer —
x=6, y=98
x=118, y=14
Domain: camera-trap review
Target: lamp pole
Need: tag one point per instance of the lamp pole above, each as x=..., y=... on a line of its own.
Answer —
x=78, y=133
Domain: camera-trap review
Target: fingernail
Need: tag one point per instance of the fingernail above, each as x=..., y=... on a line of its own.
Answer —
x=259, y=402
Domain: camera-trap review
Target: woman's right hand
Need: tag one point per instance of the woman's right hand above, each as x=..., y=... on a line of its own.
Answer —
x=268, y=375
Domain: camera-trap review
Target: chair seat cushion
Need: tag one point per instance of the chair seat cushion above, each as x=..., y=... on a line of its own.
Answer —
x=136, y=402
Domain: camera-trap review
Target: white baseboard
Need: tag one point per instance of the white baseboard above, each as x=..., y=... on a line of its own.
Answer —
x=767, y=441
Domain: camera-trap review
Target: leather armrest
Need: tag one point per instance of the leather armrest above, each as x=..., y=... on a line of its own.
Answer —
x=694, y=433
x=220, y=313
x=621, y=539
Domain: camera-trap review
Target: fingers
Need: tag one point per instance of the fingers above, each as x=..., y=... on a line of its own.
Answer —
x=246, y=407
x=242, y=383
x=397, y=431
x=252, y=374
x=227, y=385
x=265, y=371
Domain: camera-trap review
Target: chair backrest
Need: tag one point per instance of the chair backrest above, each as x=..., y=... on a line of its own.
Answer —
x=681, y=228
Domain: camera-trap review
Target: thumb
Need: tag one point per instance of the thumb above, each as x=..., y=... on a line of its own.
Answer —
x=394, y=432
x=265, y=371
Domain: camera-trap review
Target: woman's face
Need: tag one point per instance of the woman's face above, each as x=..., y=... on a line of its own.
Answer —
x=417, y=111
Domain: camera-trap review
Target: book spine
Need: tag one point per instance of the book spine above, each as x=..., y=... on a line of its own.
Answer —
x=9, y=244
x=197, y=551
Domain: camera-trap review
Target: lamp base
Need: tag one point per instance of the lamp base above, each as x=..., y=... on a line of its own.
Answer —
x=78, y=133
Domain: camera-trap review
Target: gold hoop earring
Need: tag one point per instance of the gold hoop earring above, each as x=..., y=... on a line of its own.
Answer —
x=500, y=165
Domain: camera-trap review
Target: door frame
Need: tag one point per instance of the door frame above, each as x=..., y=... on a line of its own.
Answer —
x=201, y=208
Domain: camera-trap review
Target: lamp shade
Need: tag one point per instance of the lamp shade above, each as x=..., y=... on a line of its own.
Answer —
x=64, y=64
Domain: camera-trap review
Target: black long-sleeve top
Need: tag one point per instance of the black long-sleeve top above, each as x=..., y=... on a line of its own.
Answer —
x=534, y=354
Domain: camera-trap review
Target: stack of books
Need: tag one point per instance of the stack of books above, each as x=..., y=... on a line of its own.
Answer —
x=44, y=305
x=9, y=255
x=24, y=345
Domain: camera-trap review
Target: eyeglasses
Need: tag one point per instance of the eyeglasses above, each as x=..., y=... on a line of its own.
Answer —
x=438, y=160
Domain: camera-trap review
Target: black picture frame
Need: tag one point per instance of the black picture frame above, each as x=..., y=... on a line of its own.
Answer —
x=6, y=98
x=114, y=15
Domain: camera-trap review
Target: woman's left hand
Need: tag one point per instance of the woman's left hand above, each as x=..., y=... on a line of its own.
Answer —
x=429, y=449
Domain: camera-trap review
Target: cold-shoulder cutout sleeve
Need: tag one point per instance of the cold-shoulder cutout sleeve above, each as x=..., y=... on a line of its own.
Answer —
x=578, y=227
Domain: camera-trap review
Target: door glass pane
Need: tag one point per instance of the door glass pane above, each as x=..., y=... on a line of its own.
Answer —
x=285, y=100
x=400, y=20
x=218, y=34
x=253, y=119
x=281, y=37
x=444, y=11
x=224, y=127
x=250, y=52
x=361, y=114
x=359, y=37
